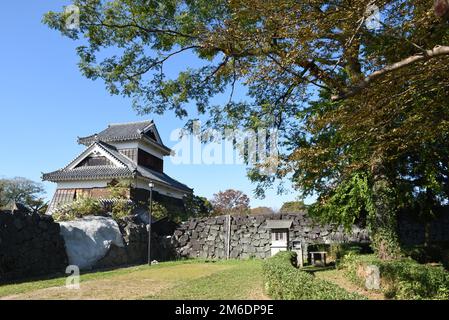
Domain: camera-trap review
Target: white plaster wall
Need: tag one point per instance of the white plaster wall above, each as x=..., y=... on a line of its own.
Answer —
x=83, y=184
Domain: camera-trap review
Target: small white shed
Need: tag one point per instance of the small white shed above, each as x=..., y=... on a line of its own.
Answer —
x=279, y=234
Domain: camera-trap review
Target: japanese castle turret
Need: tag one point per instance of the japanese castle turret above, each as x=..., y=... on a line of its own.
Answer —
x=132, y=152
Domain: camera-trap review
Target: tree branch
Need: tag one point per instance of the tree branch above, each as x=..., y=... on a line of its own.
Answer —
x=427, y=55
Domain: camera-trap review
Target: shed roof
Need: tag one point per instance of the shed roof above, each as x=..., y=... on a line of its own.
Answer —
x=279, y=224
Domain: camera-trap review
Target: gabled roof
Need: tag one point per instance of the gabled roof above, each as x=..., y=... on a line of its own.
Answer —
x=126, y=132
x=124, y=169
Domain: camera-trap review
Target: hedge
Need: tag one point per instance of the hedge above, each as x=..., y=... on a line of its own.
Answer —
x=403, y=279
x=285, y=282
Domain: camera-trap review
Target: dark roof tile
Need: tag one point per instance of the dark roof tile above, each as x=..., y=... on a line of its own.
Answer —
x=109, y=172
x=87, y=173
x=118, y=132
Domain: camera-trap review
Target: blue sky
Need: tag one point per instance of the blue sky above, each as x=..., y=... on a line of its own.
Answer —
x=45, y=103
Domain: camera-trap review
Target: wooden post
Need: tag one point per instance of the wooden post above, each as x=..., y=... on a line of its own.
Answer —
x=228, y=237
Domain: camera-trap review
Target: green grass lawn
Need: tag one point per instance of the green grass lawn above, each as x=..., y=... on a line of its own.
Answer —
x=242, y=280
x=191, y=279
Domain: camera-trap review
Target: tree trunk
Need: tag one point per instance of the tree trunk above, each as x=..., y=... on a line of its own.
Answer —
x=383, y=222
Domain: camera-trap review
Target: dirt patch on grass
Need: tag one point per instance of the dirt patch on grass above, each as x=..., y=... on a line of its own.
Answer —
x=258, y=293
x=134, y=285
x=338, y=277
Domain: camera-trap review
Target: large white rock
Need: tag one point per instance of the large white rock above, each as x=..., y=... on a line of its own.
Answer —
x=87, y=240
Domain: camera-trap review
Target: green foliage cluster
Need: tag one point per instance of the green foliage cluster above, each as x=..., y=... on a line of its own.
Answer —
x=284, y=281
x=159, y=211
x=338, y=251
x=121, y=209
x=349, y=201
x=292, y=206
x=197, y=206
x=79, y=208
x=403, y=279
x=118, y=190
x=355, y=200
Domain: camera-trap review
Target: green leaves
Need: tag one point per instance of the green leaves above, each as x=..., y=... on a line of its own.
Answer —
x=350, y=200
x=285, y=282
x=402, y=279
x=288, y=58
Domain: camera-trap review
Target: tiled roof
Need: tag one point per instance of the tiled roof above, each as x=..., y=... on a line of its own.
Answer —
x=161, y=177
x=87, y=173
x=129, y=170
x=120, y=132
x=279, y=224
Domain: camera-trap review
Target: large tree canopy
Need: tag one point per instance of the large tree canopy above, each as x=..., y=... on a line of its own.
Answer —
x=362, y=111
x=230, y=202
x=283, y=52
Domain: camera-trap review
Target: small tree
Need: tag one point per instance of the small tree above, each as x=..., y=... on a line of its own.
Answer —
x=198, y=206
x=24, y=191
x=293, y=207
x=230, y=202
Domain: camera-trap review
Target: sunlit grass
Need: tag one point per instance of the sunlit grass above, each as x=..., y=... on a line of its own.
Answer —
x=187, y=279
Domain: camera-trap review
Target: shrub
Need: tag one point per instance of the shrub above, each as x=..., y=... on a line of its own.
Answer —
x=284, y=281
x=159, y=211
x=402, y=279
x=337, y=251
x=121, y=209
x=119, y=189
x=79, y=208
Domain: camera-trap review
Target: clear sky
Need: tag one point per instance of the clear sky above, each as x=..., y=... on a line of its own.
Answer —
x=45, y=104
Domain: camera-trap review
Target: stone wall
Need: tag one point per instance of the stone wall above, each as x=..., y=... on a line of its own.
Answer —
x=412, y=231
x=135, y=250
x=206, y=237
x=30, y=245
